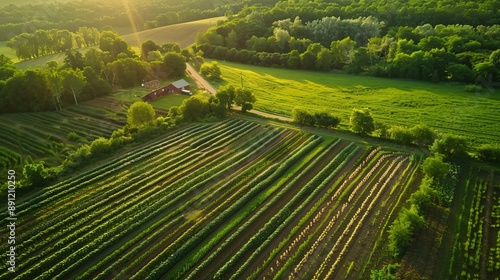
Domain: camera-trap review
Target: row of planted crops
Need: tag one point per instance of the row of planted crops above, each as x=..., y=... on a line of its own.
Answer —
x=228, y=200
x=476, y=252
x=46, y=134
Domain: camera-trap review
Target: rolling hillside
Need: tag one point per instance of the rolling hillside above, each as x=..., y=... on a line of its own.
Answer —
x=182, y=33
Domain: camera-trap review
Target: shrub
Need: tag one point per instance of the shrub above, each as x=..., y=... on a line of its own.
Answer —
x=473, y=88
x=362, y=121
x=35, y=174
x=100, y=146
x=140, y=114
x=401, y=134
x=72, y=136
x=489, y=152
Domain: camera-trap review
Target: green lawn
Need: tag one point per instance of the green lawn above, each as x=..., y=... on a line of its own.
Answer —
x=8, y=52
x=165, y=102
x=447, y=108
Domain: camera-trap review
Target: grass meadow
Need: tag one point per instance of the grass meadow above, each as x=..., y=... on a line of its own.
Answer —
x=183, y=33
x=445, y=107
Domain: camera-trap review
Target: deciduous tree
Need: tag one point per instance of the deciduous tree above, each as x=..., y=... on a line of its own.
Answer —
x=244, y=97
x=140, y=114
x=362, y=121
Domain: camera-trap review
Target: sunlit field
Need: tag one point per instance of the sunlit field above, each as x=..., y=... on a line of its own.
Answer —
x=183, y=33
x=445, y=107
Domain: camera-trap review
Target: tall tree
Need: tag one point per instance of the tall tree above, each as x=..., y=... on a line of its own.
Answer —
x=140, y=114
x=244, y=97
x=343, y=51
x=54, y=80
x=226, y=95
x=27, y=91
x=73, y=82
x=362, y=121
x=174, y=65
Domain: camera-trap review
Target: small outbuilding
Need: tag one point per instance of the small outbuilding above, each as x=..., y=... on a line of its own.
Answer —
x=175, y=87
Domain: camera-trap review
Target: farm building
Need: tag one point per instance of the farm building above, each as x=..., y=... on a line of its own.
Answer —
x=175, y=87
x=151, y=84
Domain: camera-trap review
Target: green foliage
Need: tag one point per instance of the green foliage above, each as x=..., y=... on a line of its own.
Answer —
x=100, y=146
x=174, y=65
x=361, y=121
x=193, y=109
x=423, y=135
x=73, y=82
x=244, y=97
x=489, y=152
x=388, y=272
x=473, y=88
x=140, y=114
x=435, y=167
x=402, y=230
x=26, y=91
x=454, y=148
x=226, y=94
x=35, y=174
x=303, y=117
x=211, y=70
x=72, y=136
x=424, y=197
x=401, y=134
x=320, y=119
x=7, y=68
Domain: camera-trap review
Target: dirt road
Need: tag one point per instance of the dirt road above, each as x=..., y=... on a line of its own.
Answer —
x=203, y=84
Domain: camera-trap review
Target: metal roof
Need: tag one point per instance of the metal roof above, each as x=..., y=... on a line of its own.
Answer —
x=180, y=83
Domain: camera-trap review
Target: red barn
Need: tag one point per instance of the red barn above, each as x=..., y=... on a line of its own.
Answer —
x=175, y=87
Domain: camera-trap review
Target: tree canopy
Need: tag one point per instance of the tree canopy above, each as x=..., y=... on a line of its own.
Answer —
x=362, y=121
x=140, y=114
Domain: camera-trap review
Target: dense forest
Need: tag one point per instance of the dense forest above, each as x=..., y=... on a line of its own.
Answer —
x=15, y=20
x=431, y=40
x=85, y=76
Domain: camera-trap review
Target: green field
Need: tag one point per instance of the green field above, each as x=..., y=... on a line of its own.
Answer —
x=446, y=108
x=183, y=33
x=8, y=52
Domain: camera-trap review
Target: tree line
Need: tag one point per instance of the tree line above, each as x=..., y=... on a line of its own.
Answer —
x=45, y=42
x=455, y=53
x=138, y=15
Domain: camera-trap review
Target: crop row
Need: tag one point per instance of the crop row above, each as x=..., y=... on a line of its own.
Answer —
x=350, y=181
x=303, y=198
x=472, y=245
x=129, y=203
x=381, y=185
x=266, y=140
x=167, y=259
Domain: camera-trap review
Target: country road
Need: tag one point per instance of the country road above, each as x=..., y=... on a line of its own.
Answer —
x=204, y=84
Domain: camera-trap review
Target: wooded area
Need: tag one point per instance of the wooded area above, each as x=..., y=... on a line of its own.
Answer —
x=437, y=41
